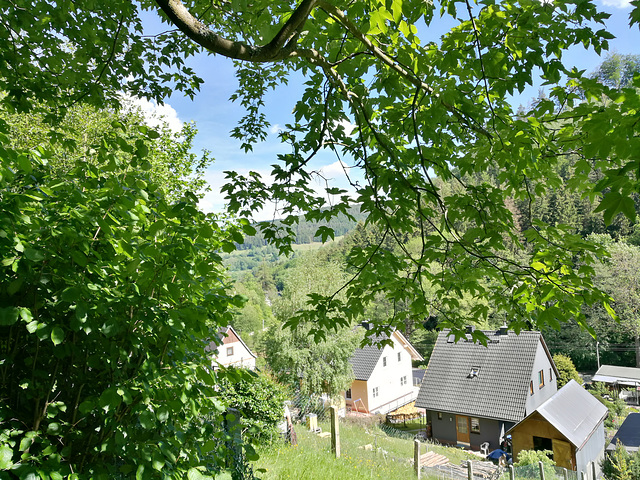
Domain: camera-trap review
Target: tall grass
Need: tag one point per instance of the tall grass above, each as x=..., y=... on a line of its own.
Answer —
x=384, y=457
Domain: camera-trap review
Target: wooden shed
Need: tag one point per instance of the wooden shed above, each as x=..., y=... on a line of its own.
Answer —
x=570, y=425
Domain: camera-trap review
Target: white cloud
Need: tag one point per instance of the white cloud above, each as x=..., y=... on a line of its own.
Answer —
x=347, y=125
x=275, y=129
x=155, y=115
x=617, y=3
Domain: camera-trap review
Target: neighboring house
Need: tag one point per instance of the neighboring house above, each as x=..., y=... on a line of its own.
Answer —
x=474, y=393
x=383, y=376
x=618, y=377
x=570, y=425
x=628, y=434
x=232, y=352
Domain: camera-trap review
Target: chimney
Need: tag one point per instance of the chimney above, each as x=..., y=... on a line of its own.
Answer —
x=367, y=325
x=504, y=330
x=470, y=329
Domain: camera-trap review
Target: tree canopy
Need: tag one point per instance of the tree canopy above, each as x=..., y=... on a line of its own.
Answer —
x=107, y=285
x=423, y=110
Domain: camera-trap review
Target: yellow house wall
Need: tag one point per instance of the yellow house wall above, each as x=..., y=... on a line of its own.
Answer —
x=536, y=425
x=358, y=392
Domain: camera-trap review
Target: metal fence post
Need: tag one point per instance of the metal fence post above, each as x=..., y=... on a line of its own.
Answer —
x=594, y=471
x=566, y=473
x=469, y=470
x=541, y=467
x=335, y=432
x=416, y=456
x=583, y=476
x=512, y=472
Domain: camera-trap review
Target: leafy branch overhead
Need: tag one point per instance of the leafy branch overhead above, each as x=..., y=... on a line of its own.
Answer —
x=427, y=109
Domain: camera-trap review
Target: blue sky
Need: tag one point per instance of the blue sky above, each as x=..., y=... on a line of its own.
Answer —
x=215, y=115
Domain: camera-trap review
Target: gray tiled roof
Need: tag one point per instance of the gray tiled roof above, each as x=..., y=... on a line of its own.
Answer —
x=499, y=390
x=364, y=359
x=574, y=412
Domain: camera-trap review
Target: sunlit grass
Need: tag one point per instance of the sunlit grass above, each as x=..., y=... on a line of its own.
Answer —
x=387, y=458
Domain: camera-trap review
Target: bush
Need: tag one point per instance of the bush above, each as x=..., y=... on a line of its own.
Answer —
x=621, y=465
x=566, y=370
x=260, y=401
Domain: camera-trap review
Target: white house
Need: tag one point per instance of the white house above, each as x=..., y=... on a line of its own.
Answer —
x=383, y=376
x=232, y=352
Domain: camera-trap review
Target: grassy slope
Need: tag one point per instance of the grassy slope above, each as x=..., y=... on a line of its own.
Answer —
x=312, y=458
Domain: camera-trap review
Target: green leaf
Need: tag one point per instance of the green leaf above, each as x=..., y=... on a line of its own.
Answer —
x=57, y=335
x=147, y=420
x=6, y=454
x=33, y=254
x=79, y=257
x=8, y=316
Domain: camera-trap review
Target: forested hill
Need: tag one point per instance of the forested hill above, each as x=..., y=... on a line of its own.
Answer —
x=305, y=230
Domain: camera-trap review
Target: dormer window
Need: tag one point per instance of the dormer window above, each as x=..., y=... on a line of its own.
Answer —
x=474, y=372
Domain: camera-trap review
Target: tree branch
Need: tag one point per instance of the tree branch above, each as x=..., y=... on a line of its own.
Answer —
x=282, y=46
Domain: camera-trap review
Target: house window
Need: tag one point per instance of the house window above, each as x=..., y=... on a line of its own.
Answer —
x=403, y=380
x=475, y=425
x=439, y=415
x=399, y=356
x=541, y=378
x=229, y=351
x=384, y=361
x=348, y=394
x=550, y=375
x=531, y=388
x=375, y=392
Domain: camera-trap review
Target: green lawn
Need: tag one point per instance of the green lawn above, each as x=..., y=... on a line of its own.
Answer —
x=312, y=458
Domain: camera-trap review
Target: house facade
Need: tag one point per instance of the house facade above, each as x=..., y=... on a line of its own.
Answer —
x=570, y=425
x=232, y=351
x=474, y=393
x=383, y=376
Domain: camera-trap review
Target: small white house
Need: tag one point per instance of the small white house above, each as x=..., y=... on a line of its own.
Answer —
x=232, y=352
x=383, y=376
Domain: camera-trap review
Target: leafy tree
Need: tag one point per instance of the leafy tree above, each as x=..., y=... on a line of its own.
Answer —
x=617, y=71
x=567, y=371
x=619, y=275
x=258, y=399
x=173, y=166
x=312, y=366
x=426, y=109
x=107, y=292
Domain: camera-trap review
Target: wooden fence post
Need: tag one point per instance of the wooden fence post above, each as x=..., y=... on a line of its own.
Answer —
x=469, y=470
x=594, y=471
x=335, y=432
x=541, y=467
x=583, y=476
x=416, y=456
x=512, y=472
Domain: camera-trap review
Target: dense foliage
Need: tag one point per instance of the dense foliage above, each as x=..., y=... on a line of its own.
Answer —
x=107, y=293
x=259, y=402
x=566, y=370
x=621, y=465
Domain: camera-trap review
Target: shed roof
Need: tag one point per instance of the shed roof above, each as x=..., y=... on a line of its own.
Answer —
x=574, y=412
x=616, y=374
x=628, y=434
x=500, y=388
